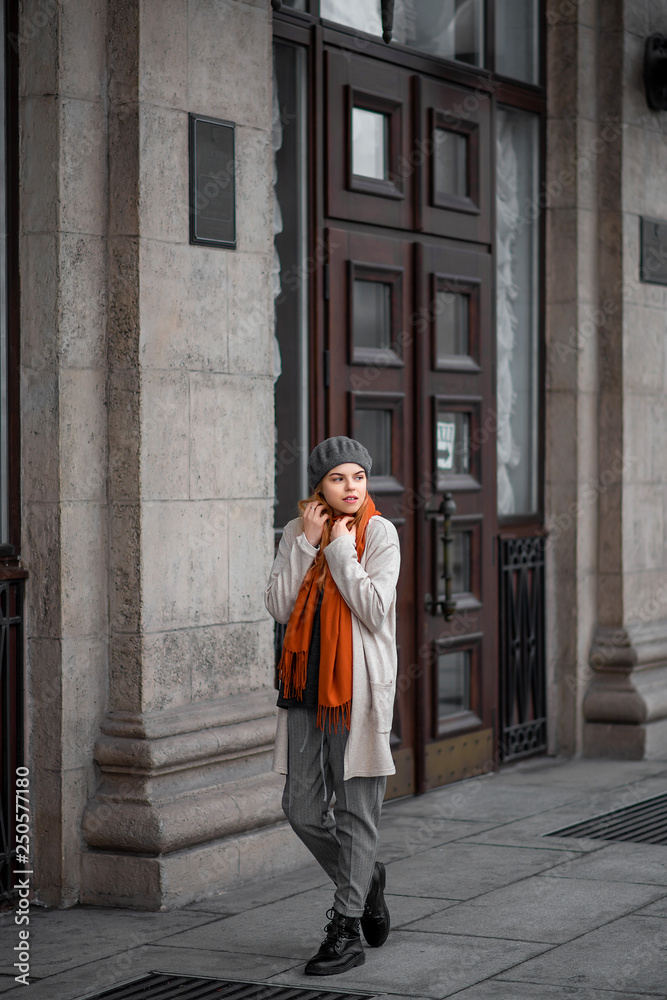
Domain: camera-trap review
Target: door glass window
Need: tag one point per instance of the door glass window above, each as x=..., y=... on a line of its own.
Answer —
x=517, y=241
x=452, y=324
x=453, y=682
x=373, y=429
x=371, y=313
x=517, y=39
x=453, y=443
x=369, y=143
x=450, y=164
x=460, y=553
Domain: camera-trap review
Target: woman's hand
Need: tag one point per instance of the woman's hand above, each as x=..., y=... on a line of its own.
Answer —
x=341, y=528
x=314, y=519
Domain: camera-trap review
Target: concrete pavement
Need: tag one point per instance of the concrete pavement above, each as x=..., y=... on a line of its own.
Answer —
x=483, y=905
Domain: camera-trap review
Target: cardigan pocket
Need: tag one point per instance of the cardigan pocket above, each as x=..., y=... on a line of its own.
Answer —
x=382, y=705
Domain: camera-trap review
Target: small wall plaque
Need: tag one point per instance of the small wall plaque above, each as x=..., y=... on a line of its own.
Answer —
x=653, y=266
x=212, y=182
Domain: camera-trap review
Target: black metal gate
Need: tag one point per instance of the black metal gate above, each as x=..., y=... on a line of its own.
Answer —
x=523, y=714
x=12, y=729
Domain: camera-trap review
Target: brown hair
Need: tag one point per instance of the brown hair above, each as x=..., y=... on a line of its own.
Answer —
x=318, y=497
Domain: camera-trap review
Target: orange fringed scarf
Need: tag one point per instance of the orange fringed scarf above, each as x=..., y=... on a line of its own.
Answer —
x=334, y=694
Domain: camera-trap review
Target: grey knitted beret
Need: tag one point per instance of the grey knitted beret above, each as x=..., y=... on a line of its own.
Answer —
x=336, y=451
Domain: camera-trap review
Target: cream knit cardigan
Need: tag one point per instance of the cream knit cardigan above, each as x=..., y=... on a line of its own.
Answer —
x=368, y=587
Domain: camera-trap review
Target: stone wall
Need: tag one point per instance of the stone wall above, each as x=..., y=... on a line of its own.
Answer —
x=147, y=373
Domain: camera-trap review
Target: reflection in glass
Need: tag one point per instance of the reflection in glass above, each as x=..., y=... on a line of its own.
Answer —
x=450, y=29
x=452, y=324
x=371, y=313
x=450, y=164
x=517, y=39
x=517, y=241
x=447, y=29
x=453, y=443
x=373, y=429
x=460, y=552
x=4, y=359
x=364, y=15
x=369, y=143
x=453, y=682
x=289, y=140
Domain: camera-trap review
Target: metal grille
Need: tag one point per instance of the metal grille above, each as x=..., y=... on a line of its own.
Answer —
x=523, y=723
x=11, y=726
x=644, y=822
x=169, y=986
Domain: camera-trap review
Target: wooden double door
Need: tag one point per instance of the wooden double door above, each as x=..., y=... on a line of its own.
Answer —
x=408, y=335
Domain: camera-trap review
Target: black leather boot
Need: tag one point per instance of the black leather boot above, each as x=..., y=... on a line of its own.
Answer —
x=341, y=949
x=375, y=922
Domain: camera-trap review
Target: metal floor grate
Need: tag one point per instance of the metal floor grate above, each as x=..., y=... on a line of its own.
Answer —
x=169, y=986
x=644, y=822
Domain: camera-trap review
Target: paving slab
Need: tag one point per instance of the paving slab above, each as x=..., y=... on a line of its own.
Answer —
x=60, y=938
x=629, y=954
x=657, y=909
x=402, y=836
x=259, y=892
x=580, y=772
x=485, y=799
x=462, y=870
x=90, y=976
x=426, y=965
x=620, y=862
x=543, y=909
x=494, y=989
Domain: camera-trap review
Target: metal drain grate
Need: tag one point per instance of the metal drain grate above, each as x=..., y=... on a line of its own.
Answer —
x=644, y=822
x=169, y=986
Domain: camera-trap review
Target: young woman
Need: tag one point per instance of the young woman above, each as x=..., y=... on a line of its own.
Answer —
x=333, y=583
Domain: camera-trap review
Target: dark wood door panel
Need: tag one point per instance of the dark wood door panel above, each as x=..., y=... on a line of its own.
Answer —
x=456, y=442
x=361, y=186
x=453, y=126
x=370, y=396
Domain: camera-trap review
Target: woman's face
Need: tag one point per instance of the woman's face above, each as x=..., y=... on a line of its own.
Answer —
x=344, y=488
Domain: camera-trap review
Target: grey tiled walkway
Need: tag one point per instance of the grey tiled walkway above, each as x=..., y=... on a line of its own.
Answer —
x=484, y=907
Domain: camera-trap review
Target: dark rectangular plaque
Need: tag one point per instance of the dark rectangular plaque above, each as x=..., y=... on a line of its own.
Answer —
x=653, y=265
x=212, y=182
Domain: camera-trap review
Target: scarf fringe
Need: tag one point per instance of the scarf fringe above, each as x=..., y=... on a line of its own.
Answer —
x=292, y=672
x=334, y=712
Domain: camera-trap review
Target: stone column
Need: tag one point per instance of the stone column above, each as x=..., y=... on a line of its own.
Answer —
x=63, y=217
x=187, y=803
x=626, y=703
x=572, y=330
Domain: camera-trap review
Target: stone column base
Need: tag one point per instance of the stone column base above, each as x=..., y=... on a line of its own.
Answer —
x=644, y=742
x=625, y=708
x=172, y=880
x=187, y=805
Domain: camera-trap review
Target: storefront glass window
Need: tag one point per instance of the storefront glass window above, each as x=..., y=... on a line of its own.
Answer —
x=517, y=250
x=290, y=280
x=448, y=29
x=4, y=405
x=517, y=39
